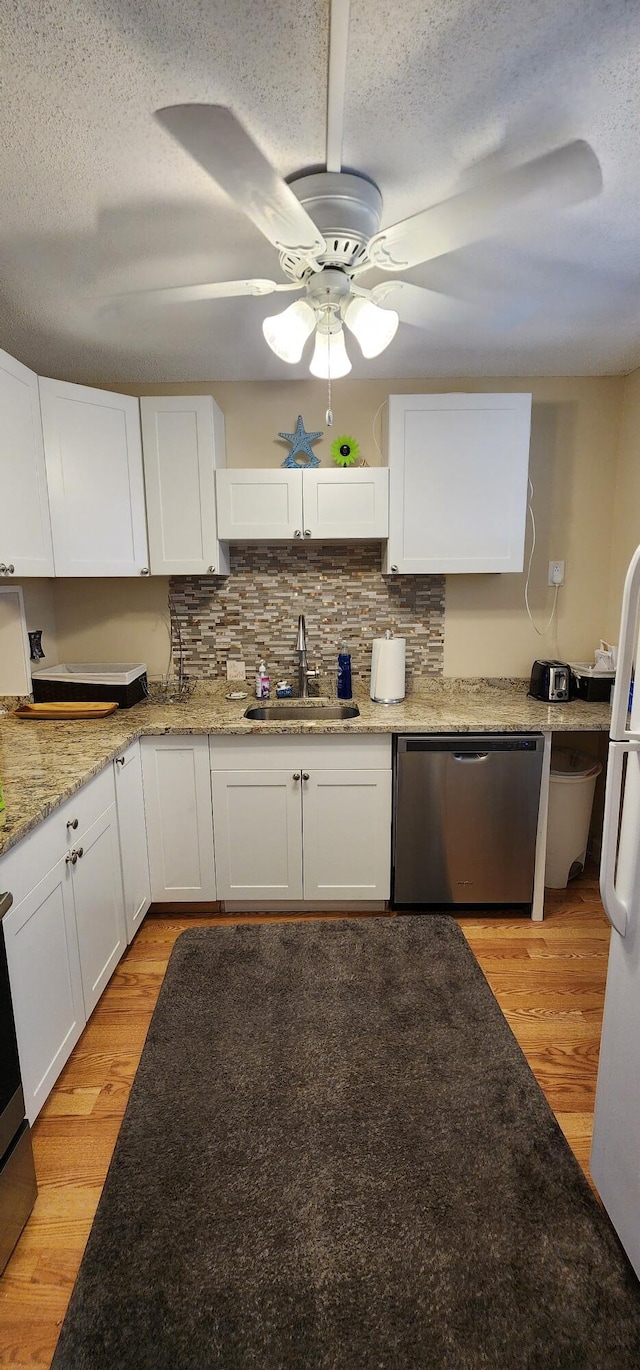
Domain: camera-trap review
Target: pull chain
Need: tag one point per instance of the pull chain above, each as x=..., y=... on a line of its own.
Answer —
x=329, y=413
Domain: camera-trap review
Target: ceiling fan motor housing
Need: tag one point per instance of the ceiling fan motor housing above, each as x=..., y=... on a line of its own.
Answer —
x=347, y=210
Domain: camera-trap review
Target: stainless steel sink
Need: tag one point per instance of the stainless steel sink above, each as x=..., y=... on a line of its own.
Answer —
x=306, y=712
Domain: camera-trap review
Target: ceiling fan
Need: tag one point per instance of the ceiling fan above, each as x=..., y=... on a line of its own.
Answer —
x=326, y=226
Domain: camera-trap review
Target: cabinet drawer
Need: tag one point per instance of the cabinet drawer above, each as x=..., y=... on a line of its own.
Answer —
x=87, y=805
x=277, y=753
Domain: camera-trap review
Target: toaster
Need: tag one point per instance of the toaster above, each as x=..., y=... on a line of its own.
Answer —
x=550, y=681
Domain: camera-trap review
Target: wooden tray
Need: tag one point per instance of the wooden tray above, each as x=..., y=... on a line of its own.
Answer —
x=65, y=710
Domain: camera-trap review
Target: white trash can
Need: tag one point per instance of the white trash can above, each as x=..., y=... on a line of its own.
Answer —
x=572, y=785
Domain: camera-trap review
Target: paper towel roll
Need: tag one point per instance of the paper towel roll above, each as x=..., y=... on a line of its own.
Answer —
x=387, y=670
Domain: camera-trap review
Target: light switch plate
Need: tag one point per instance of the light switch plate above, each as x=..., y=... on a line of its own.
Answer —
x=236, y=670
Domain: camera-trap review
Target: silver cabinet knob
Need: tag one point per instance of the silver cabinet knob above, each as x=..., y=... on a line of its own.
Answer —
x=119, y=761
x=298, y=533
x=71, y=858
x=307, y=532
x=394, y=568
x=3, y=569
x=305, y=775
x=11, y=568
x=144, y=571
x=79, y=852
x=72, y=823
x=296, y=775
x=211, y=570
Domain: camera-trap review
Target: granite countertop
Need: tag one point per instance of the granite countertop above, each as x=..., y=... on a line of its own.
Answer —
x=43, y=763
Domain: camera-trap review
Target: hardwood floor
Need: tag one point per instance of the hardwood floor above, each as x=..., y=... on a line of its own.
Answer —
x=548, y=978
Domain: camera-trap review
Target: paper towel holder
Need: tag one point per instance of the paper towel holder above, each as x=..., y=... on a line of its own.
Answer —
x=387, y=688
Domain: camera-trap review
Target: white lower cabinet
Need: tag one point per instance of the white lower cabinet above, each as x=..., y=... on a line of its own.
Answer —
x=65, y=932
x=99, y=905
x=177, y=801
x=46, y=983
x=133, y=838
x=302, y=818
x=258, y=834
x=347, y=833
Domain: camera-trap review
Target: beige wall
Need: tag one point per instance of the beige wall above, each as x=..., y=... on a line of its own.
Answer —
x=625, y=532
x=39, y=611
x=113, y=620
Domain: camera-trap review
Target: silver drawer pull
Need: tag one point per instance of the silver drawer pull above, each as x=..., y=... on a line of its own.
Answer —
x=305, y=775
x=72, y=823
x=470, y=756
x=296, y=775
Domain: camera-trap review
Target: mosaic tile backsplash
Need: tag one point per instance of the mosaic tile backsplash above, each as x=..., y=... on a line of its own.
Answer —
x=253, y=613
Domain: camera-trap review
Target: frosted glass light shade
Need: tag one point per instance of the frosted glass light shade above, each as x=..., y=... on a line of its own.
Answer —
x=287, y=333
x=340, y=364
x=372, y=326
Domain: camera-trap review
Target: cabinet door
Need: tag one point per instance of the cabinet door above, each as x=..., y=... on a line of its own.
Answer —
x=96, y=488
x=256, y=505
x=99, y=905
x=347, y=834
x=46, y=985
x=346, y=504
x=177, y=801
x=458, y=482
x=133, y=838
x=25, y=530
x=182, y=443
x=257, y=821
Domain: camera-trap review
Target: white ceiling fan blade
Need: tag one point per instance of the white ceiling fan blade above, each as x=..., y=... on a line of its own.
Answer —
x=563, y=177
x=214, y=290
x=425, y=308
x=213, y=136
x=338, y=43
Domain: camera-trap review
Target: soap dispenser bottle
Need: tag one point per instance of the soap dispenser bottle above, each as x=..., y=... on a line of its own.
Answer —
x=344, y=689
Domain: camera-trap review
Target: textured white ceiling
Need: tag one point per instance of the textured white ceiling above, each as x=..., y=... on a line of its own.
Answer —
x=95, y=198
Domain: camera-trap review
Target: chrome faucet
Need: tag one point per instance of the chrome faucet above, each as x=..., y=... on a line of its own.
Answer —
x=304, y=674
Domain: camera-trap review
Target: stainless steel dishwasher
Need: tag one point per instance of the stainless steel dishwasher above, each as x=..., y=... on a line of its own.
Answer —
x=465, y=819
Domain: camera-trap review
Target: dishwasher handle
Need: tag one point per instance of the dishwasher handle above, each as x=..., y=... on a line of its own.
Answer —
x=470, y=746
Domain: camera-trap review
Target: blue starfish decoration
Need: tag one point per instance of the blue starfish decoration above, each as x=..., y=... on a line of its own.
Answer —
x=300, y=442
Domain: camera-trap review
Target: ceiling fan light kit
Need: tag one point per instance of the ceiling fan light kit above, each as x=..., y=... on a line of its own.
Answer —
x=326, y=226
x=287, y=333
x=330, y=360
x=374, y=327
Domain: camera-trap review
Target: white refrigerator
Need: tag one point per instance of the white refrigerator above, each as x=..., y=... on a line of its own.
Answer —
x=615, y=1152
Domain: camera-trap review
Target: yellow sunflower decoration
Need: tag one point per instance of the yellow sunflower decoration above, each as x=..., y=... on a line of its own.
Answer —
x=345, y=451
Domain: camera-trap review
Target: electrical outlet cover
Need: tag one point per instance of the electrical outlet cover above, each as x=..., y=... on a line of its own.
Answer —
x=556, y=573
x=236, y=670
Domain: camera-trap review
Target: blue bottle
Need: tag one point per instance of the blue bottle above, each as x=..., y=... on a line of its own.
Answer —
x=344, y=673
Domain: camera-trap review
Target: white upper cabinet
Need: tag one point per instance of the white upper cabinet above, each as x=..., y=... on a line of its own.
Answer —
x=96, y=487
x=25, y=530
x=458, y=468
x=346, y=504
x=183, y=442
x=256, y=505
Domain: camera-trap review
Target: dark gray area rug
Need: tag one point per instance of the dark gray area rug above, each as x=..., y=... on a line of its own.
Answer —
x=335, y=1155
